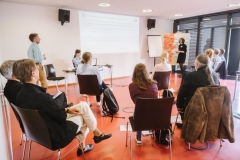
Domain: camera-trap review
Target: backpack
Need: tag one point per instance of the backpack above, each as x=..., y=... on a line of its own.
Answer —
x=109, y=104
x=164, y=133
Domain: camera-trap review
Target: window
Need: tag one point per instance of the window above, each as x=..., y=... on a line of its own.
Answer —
x=204, y=40
x=192, y=47
x=235, y=19
x=188, y=24
x=219, y=37
x=214, y=21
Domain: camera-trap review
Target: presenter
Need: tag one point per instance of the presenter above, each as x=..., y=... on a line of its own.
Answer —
x=182, y=50
x=77, y=58
x=34, y=54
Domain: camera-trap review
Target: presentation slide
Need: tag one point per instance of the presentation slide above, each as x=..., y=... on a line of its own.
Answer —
x=108, y=33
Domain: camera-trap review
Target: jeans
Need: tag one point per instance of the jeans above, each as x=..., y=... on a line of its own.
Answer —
x=138, y=135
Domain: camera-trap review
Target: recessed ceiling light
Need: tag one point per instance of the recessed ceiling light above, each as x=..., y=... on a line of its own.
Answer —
x=147, y=10
x=104, y=4
x=178, y=15
x=206, y=19
x=234, y=5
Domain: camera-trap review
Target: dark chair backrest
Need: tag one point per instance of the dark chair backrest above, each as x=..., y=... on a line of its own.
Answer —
x=50, y=71
x=18, y=118
x=88, y=84
x=34, y=126
x=152, y=113
x=162, y=78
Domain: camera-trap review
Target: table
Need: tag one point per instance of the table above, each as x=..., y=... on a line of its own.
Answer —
x=237, y=76
x=73, y=71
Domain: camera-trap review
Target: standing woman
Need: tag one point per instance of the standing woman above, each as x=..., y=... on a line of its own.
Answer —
x=182, y=50
x=77, y=58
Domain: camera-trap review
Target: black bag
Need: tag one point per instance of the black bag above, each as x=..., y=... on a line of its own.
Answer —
x=164, y=133
x=163, y=136
x=167, y=93
x=109, y=105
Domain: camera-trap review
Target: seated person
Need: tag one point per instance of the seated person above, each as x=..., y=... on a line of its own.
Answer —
x=13, y=85
x=87, y=68
x=77, y=58
x=209, y=53
x=142, y=86
x=202, y=77
x=62, y=123
x=221, y=54
x=216, y=60
x=163, y=66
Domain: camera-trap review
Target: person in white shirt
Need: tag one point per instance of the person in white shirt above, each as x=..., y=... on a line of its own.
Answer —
x=221, y=54
x=87, y=68
x=77, y=58
x=216, y=60
x=209, y=54
x=163, y=66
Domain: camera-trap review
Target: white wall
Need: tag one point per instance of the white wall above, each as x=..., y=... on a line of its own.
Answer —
x=59, y=42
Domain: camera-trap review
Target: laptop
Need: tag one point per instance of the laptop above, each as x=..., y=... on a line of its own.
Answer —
x=94, y=62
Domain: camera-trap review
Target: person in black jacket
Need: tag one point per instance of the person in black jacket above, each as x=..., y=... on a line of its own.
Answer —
x=203, y=76
x=182, y=50
x=63, y=123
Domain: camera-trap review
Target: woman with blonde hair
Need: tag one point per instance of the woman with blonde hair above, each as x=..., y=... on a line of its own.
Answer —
x=142, y=86
x=163, y=66
x=209, y=53
x=87, y=68
x=203, y=76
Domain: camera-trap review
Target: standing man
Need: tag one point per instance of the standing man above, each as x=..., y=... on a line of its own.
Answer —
x=34, y=54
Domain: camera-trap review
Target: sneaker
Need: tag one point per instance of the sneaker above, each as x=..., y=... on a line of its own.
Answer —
x=99, y=103
x=139, y=141
x=102, y=137
x=87, y=148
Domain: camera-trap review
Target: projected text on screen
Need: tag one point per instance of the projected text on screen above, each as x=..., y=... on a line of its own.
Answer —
x=108, y=33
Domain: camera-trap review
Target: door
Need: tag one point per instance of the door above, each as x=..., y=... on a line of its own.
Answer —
x=234, y=51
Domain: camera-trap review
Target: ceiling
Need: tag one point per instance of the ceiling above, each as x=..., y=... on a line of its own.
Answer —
x=165, y=9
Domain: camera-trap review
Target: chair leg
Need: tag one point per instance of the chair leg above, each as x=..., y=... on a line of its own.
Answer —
x=21, y=137
x=29, y=150
x=57, y=86
x=175, y=123
x=131, y=145
x=221, y=140
x=189, y=146
x=24, y=147
x=81, y=147
x=127, y=134
x=59, y=154
x=170, y=143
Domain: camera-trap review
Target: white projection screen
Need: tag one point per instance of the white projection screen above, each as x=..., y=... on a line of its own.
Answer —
x=102, y=33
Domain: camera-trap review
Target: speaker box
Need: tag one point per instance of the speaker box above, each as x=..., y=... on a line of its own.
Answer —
x=151, y=23
x=63, y=16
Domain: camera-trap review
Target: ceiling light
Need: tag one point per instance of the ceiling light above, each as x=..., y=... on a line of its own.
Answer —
x=104, y=4
x=147, y=10
x=206, y=19
x=178, y=15
x=224, y=21
x=234, y=5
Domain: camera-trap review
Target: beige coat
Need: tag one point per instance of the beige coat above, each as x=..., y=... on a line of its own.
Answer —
x=208, y=115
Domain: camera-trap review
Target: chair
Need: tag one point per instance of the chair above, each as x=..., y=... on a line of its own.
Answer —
x=39, y=134
x=151, y=114
x=51, y=74
x=162, y=79
x=88, y=84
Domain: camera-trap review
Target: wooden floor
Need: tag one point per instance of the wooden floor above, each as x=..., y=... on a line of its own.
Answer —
x=115, y=149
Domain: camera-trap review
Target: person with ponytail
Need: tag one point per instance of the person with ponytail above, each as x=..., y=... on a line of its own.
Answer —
x=203, y=76
x=77, y=58
x=142, y=86
x=87, y=68
x=163, y=66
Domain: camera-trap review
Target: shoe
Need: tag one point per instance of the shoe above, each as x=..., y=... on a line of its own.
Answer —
x=103, y=136
x=139, y=141
x=179, y=125
x=99, y=103
x=87, y=148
